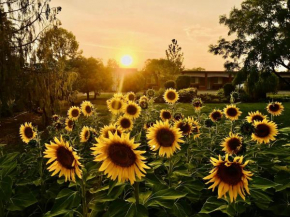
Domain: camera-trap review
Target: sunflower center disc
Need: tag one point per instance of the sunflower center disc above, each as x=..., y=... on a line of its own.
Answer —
x=257, y=118
x=116, y=105
x=177, y=117
x=75, y=113
x=125, y=123
x=262, y=130
x=232, y=112
x=166, y=115
x=131, y=109
x=216, y=116
x=197, y=104
x=70, y=123
x=28, y=132
x=233, y=144
x=231, y=175
x=131, y=97
x=88, y=109
x=274, y=107
x=122, y=155
x=184, y=127
x=165, y=138
x=171, y=95
x=64, y=157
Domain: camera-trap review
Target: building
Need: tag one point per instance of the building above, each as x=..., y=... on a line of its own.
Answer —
x=118, y=76
x=208, y=80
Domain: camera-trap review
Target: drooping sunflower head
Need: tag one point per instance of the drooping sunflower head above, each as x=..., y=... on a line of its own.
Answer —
x=232, y=112
x=27, y=132
x=110, y=128
x=85, y=134
x=148, y=124
x=115, y=105
x=232, y=144
x=143, y=98
x=65, y=160
x=230, y=177
x=74, y=112
x=165, y=115
x=164, y=138
x=120, y=158
x=130, y=96
x=69, y=124
x=208, y=123
x=150, y=93
x=178, y=116
x=55, y=118
x=87, y=108
x=216, y=115
x=125, y=123
x=195, y=127
x=265, y=131
x=275, y=108
x=58, y=125
x=255, y=116
x=247, y=128
x=143, y=104
x=197, y=104
x=185, y=126
x=171, y=96
x=132, y=110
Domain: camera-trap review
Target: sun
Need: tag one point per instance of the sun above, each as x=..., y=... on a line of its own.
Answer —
x=126, y=60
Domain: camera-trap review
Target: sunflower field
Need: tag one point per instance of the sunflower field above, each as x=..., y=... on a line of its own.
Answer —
x=147, y=162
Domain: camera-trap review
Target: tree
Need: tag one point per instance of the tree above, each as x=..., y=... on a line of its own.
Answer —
x=51, y=80
x=262, y=43
x=93, y=75
x=196, y=69
x=175, y=55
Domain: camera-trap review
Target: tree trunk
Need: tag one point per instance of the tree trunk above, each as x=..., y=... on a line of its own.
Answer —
x=95, y=96
x=88, y=95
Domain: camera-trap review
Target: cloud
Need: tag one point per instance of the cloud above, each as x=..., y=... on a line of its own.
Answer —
x=204, y=34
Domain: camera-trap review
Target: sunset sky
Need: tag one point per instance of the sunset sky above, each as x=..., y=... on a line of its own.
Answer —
x=143, y=29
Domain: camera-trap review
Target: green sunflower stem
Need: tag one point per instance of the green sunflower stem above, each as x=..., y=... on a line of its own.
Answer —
x=136, y=192
x=170, y=172
x=84, y=198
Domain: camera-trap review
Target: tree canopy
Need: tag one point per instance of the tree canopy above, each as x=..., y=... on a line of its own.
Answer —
x=262, y=37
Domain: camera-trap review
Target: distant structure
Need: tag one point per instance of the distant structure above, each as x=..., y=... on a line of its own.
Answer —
x=118, y=76
x=208, y=80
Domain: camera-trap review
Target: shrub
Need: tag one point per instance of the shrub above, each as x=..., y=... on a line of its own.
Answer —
x=182, y=82
x=170, y=84
x=228, y=88
x=187, y=95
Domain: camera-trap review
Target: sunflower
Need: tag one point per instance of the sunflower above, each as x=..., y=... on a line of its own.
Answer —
x=164, y=138
x=74, y=112
x=255, y=116
x=115, y=105
x=150, y=93
x=131, y=96
x=147, y=125
x=216, y=115
x=27, y=132
x=125, y=123
x=65, y=160
x=143, y=104
x=58, y=125
x=177, y=116
x=184, y=126
x=69, y=124
x=132, y=110
x=119, y=157
x=111, y=128
x=230, y=177
x=171, y=96
x=85, y=134
x=265, y=131
x=87, y=108
x=232, y=112
x=247, y=128
x=275, y=108
x=195, y=127
x=55, y=118
x=165, y=115
x=232, y=144
x=197, y=104
x=143, y=98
